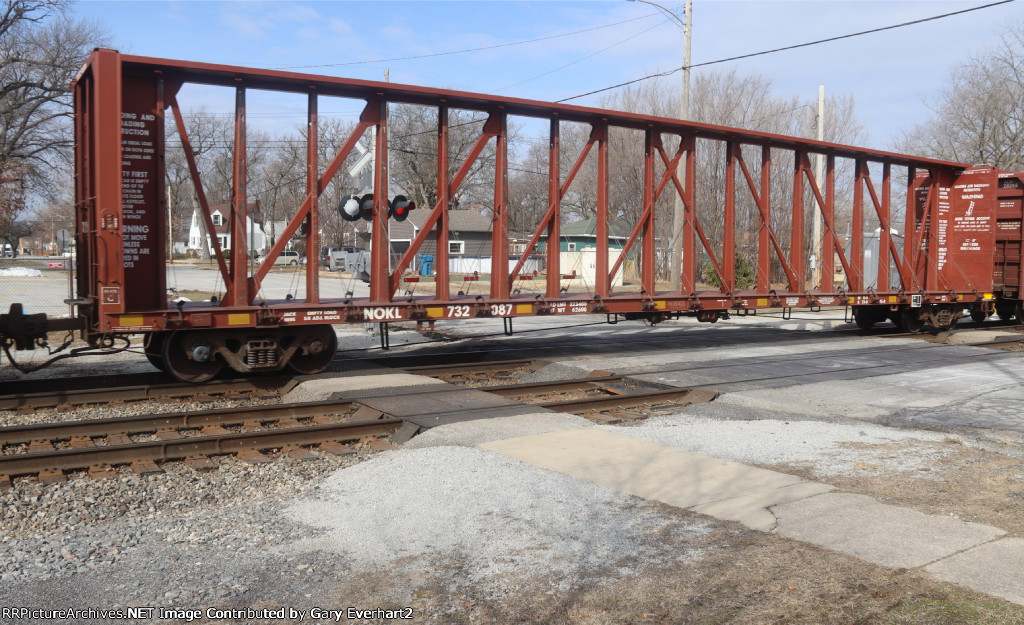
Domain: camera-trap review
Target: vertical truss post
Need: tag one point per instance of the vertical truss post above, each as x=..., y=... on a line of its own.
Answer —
x=441, y=287
x=729, y=232
x=555, y=200
x=603, y=286
x=828, y=243
x=884, y=238
x=688, y=283
x=856, y=281
x=238, y=289
x=764, y=266
x=647, y=252
x=313, y=191
x=499, y=219
x=796, y=237
x=380, y=253
x=910, y=242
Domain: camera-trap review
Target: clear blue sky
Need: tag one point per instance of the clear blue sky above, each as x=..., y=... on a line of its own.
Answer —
x=891, y=74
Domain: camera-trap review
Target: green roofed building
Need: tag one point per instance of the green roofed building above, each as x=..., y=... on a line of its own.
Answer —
x=582, y=234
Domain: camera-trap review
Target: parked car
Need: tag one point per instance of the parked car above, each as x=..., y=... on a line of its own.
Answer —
x=333, y=258
x=287, y=257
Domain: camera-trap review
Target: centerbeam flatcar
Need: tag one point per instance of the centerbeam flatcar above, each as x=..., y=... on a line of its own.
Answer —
x=960, y=252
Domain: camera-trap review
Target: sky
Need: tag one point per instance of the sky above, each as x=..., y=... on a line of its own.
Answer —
x=894, y=75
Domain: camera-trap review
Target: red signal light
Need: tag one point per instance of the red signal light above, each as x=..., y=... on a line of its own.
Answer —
x=400, y=207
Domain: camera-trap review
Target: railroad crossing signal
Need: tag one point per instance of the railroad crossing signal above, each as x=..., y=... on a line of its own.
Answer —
x=352, y=207
x=400, y=207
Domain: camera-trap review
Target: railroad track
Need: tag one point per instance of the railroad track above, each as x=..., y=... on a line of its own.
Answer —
x=462, y=367
x=114, y=392
x=142, y=387
x=98, y=445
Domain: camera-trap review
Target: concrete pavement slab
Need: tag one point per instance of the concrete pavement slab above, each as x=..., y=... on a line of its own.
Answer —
x=973, y=337
x=888, y=535
x=323, y=388
x=673, y=476
x=996, y=568
x=753, y=510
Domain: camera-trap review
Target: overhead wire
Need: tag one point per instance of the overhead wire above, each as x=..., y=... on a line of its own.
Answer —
x=581, y=59
x=784, y=48
x=468, y=50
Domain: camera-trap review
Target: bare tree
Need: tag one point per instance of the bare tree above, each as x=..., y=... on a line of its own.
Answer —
x=980, y=116
x=724, y=98
x=12, y=204
x=41, y=49
x=210, y=138
x=413, y=152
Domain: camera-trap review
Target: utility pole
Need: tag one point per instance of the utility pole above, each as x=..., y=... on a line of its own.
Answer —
x=819, y=174
x=678, y=208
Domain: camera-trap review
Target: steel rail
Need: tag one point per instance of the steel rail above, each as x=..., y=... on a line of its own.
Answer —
x=139, y=392
x=207, y=445
x=18, y=434
x=473, y=367
x=630, y=400
x=512, y=390
x=49, y=399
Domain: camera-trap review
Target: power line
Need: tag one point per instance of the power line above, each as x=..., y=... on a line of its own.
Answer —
x=799, y=45
x=480, y=49
x=580, y=60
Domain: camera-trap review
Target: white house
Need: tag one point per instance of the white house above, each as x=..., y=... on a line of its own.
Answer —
x=256, y=238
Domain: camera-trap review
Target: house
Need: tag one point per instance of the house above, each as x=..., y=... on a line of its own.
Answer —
x=259, y=235
x=36, y=245
x=469, y=239
x=581, y=234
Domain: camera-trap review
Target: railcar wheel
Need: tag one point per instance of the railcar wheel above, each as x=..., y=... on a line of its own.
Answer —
x=153, y=346
x=910, y=321
x=1018, y=312
x=1005, y=310
x=864, y=319
x=319, y=346
x=190, y=358
x=978, y=315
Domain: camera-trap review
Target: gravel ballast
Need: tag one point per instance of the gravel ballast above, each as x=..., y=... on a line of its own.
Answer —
x=504, y=519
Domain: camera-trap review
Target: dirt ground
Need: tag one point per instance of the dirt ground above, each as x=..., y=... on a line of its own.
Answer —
x=970, y=483
x=744, y=577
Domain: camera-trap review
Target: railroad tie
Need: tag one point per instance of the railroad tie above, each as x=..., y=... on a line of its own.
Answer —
x=168, y=435
x=299, y=453
x=51, y=476
x=119, y=439
x=102, y=471
x=145, y=467
x=200, y=463
x=253, y=456
x=336, y=448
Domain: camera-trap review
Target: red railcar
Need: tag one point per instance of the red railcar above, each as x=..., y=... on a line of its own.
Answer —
x=961, y=249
